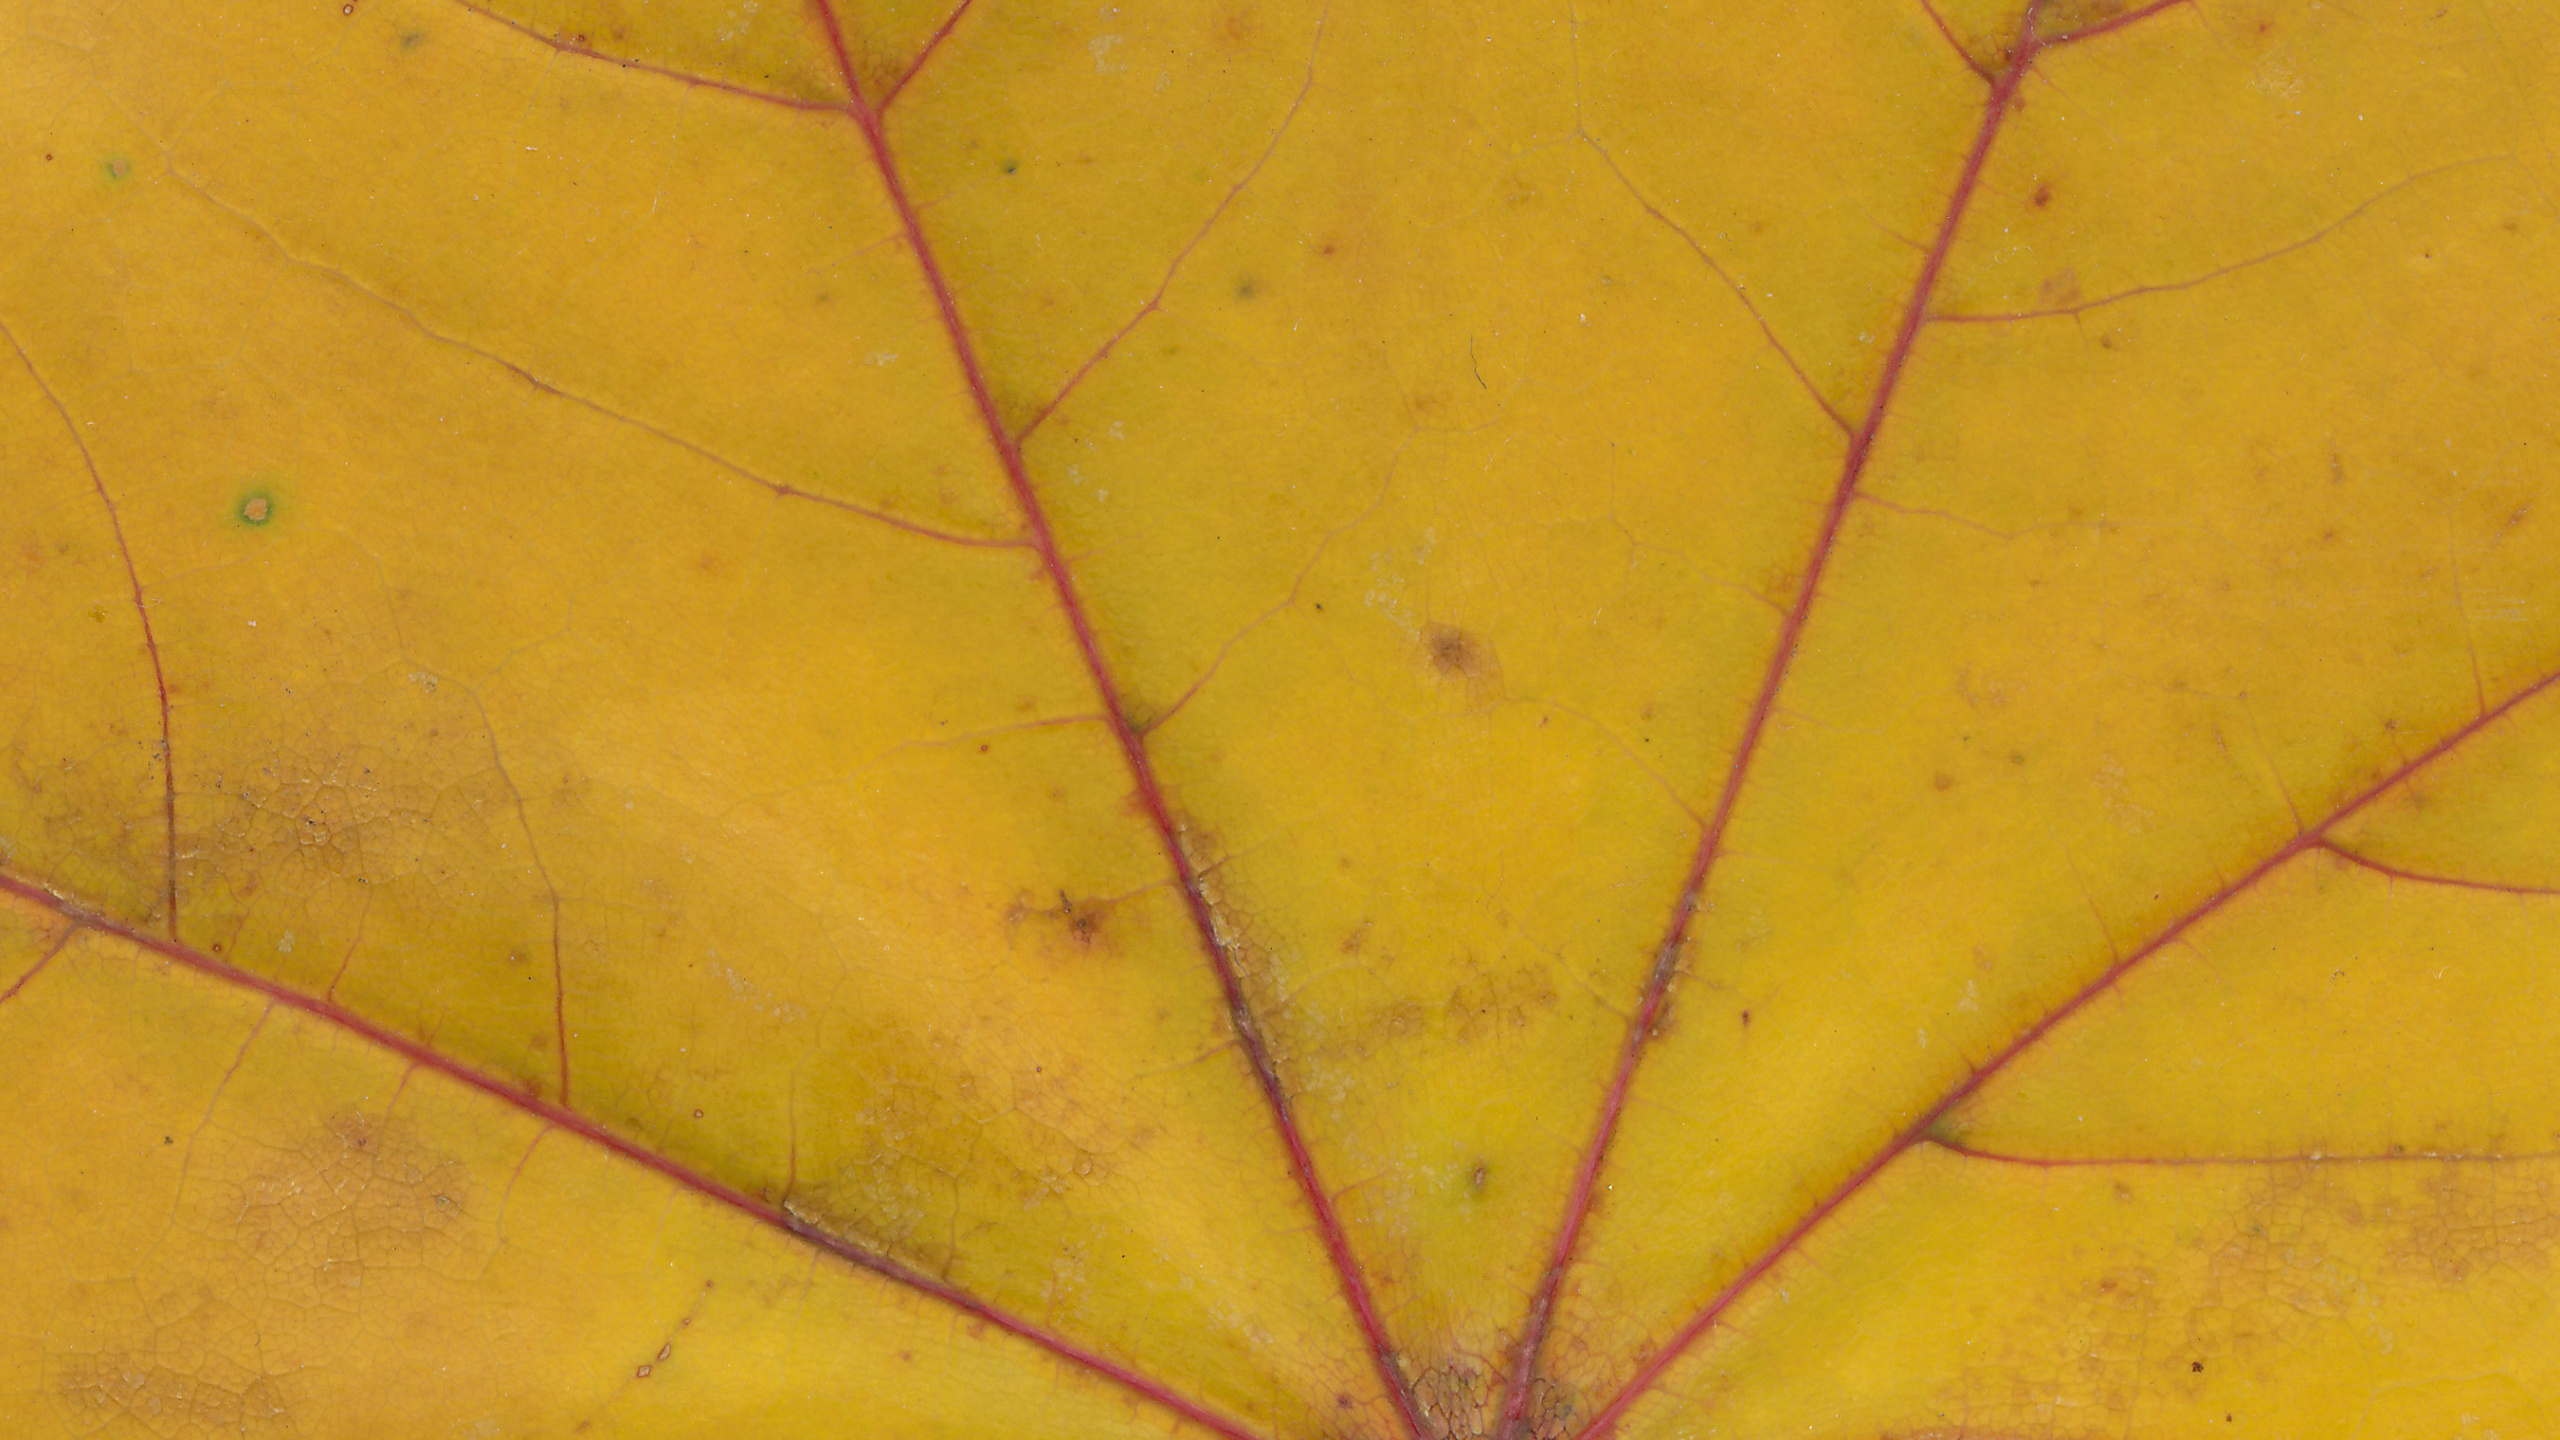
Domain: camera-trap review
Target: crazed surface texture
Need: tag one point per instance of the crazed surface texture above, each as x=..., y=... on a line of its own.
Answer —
x=1296, y=720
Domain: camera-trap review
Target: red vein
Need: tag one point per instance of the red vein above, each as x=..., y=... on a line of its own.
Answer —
x=2180, y=1162
x=1709, y=260
x=1924, y=512
x=597, y=407
x=1666, y=961
x=1948, y=34
x=2416, y=878
x=573, y=47
x=1156, y=300
x=2167, y=287
x=560, y=1117
x=142, y=612
x=1150, y=791
x=931, y=45
x=1920, y=1130
x=2110, y=24
x=60, y=943
x=355, y=942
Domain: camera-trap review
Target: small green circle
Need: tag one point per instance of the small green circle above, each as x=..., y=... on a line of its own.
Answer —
x=256, y=508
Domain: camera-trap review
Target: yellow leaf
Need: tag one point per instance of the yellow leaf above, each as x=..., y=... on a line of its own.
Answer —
x=1279, y=718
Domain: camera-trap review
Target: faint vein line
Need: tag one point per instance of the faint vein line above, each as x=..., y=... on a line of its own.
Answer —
x=550, y=889
x=1670, y=791
x=930, y=46
x=1693, y=569
x=142, y=612
x=1172, y=271
x=2462, y=612
x=195, y=1133
x=60, y=943
x=2219, y=272
x=507, y=1193
x=2181, y=1162
x=583, y=51
x=1691, y=896
x=2414, y=877
x=1715, y=268
x=596, y=407
x=1150, y=795
x=2267, y=758
x=1297, y=587
x=1923, y=1128
x=1948, y=34
x=561, y=1118
x=991, y=732
x=1209, y=672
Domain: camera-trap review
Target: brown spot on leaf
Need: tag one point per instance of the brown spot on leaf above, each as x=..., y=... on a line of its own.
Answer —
x=1453, y=651
x=1466, y=658
x=1236, y=28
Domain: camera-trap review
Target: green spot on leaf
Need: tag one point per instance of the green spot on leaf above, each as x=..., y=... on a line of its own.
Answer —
x=255, y=508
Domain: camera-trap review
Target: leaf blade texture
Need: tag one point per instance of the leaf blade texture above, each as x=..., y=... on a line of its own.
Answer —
x=1278, y=719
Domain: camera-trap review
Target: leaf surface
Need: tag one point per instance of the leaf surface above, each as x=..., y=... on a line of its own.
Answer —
x=1278, y=719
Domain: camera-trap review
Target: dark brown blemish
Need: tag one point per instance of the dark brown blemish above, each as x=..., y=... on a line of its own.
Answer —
x=1455, y=653
x=1476, y=1178
x=1082, y=920
x=2043, y=195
